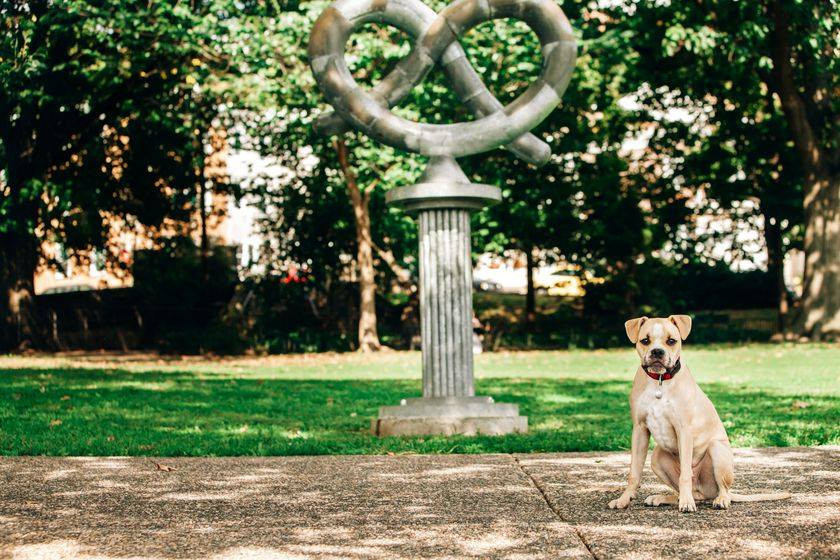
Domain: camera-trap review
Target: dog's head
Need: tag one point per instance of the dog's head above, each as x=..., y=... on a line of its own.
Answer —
x=658, y=341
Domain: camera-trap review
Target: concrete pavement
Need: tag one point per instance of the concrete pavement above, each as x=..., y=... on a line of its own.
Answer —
x=370, y=507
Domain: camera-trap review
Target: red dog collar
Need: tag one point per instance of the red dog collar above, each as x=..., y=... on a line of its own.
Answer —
x=669, y=373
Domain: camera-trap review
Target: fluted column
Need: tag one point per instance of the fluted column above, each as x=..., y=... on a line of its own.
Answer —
x=446, y=302
x=442, y=202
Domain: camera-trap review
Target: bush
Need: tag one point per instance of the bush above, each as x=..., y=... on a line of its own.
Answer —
x=182, y=298
x=658, y=289
x=726, y=306
x=282, y=315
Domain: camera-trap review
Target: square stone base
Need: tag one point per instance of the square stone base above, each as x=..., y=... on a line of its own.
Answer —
x=449, y=416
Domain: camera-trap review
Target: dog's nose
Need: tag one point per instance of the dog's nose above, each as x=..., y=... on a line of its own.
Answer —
x=657, y=353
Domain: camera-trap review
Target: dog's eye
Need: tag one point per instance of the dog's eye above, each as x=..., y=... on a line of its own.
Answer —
x=671, y=341
x=645, y=341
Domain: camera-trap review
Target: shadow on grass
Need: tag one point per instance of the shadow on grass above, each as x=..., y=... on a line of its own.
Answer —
x=119, y=412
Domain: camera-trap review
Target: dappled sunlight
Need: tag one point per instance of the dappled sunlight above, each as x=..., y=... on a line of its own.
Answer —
x=490, y=543
x=54, y=550
x=467, y=470
x=106, y=463
x=380, y=507
x=588, y=461
x=579, y=486
x=193, y=496
x=255, y=553
x=778, y=364
x=763, y=548
x=59, y=474
x=319, y=507
x=87, y=411
x=559, y=399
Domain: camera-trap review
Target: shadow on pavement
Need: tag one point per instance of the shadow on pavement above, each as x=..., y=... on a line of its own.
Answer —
x=579, y=486
x=314, y=507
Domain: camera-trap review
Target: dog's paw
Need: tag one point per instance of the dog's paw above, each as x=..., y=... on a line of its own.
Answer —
x=620, y=503
x=722, y=501
x=655, y=500
x=687, y=503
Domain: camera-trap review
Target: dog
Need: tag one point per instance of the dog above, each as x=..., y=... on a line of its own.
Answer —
x=692, y=453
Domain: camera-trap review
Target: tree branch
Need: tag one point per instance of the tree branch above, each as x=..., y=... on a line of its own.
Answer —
x=344, y=163
x=402, y=274
x=792, y=104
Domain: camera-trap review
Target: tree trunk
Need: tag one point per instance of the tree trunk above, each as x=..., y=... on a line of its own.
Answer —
x=368, y=336
x=19, y=258
x=820, y=314
x=203, y=245
x=820, y=307
x=360, y=200
x=530, y=291
x=776, y=268
x=19, y=254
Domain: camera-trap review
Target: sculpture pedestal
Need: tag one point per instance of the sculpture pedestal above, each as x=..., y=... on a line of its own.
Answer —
x=443, y=200
x=449, y=416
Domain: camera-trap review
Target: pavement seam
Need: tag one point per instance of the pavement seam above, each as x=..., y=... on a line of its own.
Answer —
x=554, y=510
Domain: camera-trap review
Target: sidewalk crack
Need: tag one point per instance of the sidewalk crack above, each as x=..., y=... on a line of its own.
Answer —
x=554, y=510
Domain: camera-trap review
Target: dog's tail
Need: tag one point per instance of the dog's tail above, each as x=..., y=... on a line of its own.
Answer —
x=761, y=497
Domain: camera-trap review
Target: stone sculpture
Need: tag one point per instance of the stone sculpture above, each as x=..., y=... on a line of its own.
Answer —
x=444, y=197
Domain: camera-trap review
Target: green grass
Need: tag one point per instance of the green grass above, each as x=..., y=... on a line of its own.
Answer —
x=575, y=400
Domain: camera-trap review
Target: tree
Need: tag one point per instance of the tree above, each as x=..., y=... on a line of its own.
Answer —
x=763, y=61
x=749, y=161
x=98, y=119
x=806, y=33
x=331, y=205
x=560, y=207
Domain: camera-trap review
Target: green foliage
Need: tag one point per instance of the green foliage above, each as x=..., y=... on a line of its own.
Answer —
x=101, y=111
x=104, y=108
x=575, y=401
x=571, y=205
x=307, y=216
x=714, y=60
x=554, y=206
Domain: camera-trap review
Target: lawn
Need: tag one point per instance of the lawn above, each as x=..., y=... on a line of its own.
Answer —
x=315, y=404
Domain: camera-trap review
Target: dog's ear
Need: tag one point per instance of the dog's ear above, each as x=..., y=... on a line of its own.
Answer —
x=632, y=327
x=683, y=323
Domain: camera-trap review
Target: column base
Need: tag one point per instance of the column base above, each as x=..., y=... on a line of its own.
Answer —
x=449, y=416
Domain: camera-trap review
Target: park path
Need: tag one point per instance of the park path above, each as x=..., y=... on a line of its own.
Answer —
x=410, y=506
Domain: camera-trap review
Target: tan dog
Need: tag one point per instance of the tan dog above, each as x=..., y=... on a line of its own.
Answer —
x=692, y=453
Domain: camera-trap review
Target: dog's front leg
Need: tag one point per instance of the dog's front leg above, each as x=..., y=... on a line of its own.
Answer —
x=686, y=443
x=638, y=453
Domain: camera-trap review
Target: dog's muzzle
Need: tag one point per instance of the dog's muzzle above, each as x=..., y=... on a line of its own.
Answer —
x=656, y=369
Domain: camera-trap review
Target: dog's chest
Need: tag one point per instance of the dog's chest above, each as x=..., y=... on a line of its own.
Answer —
x=656, y=413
